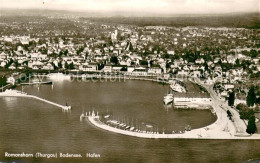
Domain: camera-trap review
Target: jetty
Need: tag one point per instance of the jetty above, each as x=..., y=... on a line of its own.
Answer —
x=50, y=102
x=15, y=93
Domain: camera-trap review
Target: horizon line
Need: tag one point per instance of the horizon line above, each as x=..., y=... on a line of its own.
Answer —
x=131, y=14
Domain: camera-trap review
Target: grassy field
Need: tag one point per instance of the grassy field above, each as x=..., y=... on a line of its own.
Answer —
x=194, y=88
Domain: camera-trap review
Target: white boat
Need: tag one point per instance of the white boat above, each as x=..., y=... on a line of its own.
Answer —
x=67, y=107
x=168, y=99
x=36, y=82
x=113, y=121
x=58, y=76
x=149, y=126
x=82, y=116
x=132, y=128
x=107, y=116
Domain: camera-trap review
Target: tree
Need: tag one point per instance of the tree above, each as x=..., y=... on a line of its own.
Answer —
x=251, y=97
x=114, y=60
x=124, y=68
x=251, y=127
x=101, y=66
x=237, y=63
x=166, y=56
x=9, y=63
x=231, y=99
x=71, y=66
x=66, y=65
x=253, y=53
x=131, y=47
x=143, y=62
x=80, y=50
x=206, y=66
x=66, y=52
x=54, y=66
x=16, y=63
x=60, y=65
x=25, y=63
x=3, y=81
x=258, y=100
x=246, y=114
x=241, y=107
x=229, y=114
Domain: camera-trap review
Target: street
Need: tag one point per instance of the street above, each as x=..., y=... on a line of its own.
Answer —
x=217, y=103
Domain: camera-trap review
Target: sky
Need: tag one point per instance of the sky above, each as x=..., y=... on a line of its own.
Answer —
x=145, y=6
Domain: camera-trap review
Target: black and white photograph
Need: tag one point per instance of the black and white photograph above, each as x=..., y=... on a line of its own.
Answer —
x=130, y=81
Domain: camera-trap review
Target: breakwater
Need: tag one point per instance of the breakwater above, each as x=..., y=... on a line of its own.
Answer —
x=14, y=93
x=209, y=132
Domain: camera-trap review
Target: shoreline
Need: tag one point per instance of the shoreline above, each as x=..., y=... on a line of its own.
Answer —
x=152, y=78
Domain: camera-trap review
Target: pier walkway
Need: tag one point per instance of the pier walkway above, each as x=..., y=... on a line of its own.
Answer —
x=50, y=102
x=14, y=93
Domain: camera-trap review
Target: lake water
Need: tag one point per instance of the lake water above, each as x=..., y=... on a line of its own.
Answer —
x=31, y=126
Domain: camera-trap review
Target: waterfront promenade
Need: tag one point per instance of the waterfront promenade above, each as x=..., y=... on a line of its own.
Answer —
x=14, y=93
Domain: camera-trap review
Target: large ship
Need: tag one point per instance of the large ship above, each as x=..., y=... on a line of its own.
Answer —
x=168, y=99
x=176, y=87
x=58, y=76
x=37, y=82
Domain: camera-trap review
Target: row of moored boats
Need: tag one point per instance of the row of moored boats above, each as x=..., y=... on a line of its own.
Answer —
x=124, y=126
